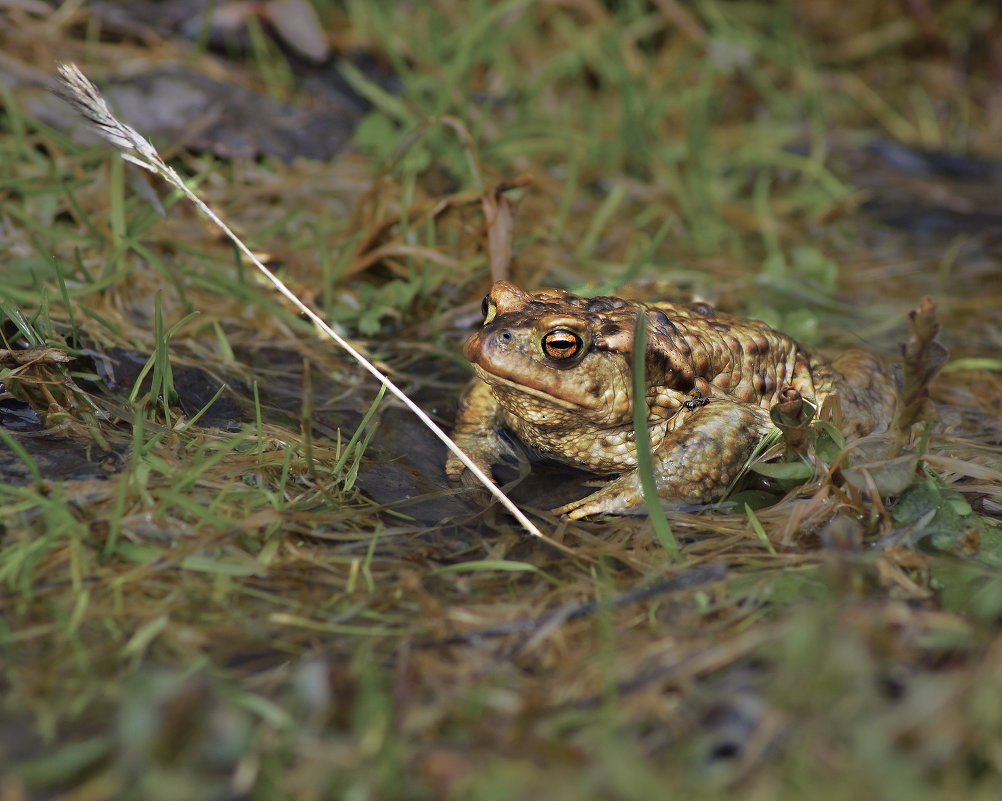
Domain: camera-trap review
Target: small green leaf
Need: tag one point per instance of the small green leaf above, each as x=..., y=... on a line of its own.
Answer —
x=831, y=431
x=828, y=441
x=968, y=590
x=753, y=499
x=916, y=502
x=797, y=471
x=888, y=476
x=960, y=506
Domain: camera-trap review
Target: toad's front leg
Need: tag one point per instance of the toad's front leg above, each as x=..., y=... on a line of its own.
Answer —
x=694, y=464
x=478, y=433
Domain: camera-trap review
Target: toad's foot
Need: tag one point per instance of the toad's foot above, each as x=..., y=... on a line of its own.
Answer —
x=619, y=495
x=695, y=464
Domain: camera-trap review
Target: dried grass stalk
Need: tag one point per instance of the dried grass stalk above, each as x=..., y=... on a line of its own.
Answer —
x=80, y=93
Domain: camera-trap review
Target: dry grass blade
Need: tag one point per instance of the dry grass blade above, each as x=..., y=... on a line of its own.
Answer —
x=497, y=211
x=42, y=355
x=85, y=98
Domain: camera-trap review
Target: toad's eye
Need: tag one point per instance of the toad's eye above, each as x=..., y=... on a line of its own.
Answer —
x=488, y=309
x=562, y=344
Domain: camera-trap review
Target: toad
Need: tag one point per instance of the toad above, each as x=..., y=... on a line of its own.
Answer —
x=554, y=371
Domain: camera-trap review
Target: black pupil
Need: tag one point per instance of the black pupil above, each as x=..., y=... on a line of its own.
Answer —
x=485, y=305
x=562, y=344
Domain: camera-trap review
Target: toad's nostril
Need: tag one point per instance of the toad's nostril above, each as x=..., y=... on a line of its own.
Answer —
x=505, y=336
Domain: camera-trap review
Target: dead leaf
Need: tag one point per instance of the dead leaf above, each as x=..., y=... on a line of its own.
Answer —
x=17, y=358
x=497, y=212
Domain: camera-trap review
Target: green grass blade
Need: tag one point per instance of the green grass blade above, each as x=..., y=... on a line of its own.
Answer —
x=23, y=455
x=645, y=461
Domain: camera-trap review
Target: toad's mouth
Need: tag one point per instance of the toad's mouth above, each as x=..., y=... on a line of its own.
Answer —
x=508, y=382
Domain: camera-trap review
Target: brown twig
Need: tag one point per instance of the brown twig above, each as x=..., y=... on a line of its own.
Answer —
x=923, y=357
